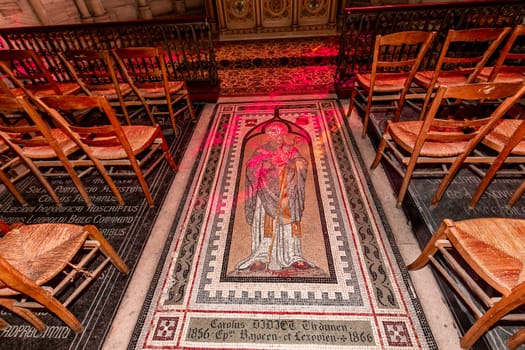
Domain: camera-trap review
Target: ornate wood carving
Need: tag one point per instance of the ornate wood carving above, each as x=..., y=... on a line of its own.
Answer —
x=239, y=14
x=276, y=13
x=314, y=11
x=249, y=17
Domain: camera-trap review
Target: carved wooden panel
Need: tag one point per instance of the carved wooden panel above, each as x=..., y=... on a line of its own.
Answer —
x=314, y=11
x=273, y=17
x=276, y=13
x=239, y=14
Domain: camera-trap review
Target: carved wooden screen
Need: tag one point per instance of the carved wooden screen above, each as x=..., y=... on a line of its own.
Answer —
x=249, y=17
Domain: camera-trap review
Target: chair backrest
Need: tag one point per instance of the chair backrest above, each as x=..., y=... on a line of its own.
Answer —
x=400, y=52
x=29, y=70
x=106, y=133
x=106, y=141
x=36, y=132
x=92, y=69
x=481, y=44
x=508, y=57
x=504, y=95
x=476, y=119
x=145, y=66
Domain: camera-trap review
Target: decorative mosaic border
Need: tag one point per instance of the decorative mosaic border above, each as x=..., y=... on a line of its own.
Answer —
x=183, y=312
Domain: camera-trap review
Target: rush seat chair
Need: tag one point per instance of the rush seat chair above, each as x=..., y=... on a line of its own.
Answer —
x=482, y=261
x=33, y=75
x=504, y=135
x=48, y=265
x=507, y=138
x=123, y=150
x=429, y=148
x=97, y=74
x=463, y=54
x=510, y=64
x=396, y=59
x=148, y=74
x=40, y=146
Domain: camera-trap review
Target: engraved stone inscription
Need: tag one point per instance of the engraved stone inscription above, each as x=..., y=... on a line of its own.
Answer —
x=281, y=331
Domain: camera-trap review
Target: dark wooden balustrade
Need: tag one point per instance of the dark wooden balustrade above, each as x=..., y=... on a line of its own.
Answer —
x=187, y=42
x=362, y=24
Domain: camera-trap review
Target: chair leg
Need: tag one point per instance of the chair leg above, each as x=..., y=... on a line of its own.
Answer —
x=430, y=249
x=74, y=177
x=27, y=315
x=142, y=180
x=367, y=113
x=24, y=285
x=381, y=148
x=60, y=311
x=171, y=114
x=485, y=182
x=189, y=102
x=36, y=172
x=406, y=180
x=452, y=171
x=426, y=102
x=496, y=165
x=493, y=315
x=148, y=111
x=516, y=195
x=165, y=149
x=400, y=104
x=516, y=339
x=3, y=324
x=106, y=248
x=14, y=191
x=351, y=102
x=103, y=172
x=379, y=154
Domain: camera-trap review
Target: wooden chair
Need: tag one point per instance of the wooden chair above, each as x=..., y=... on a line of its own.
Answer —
x=139, y=147
x=463, y=54
x=476, y=256
x=427, y=148
x=496, y=135
x=507, y=138
x=39, y=146
x=396, y=59
x=146, y=70
x=29, y=73
x=96, y=73
x=510, y=65
x=48, y=266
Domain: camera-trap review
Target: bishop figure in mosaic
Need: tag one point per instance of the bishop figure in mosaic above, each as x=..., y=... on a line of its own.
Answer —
x=275, y=199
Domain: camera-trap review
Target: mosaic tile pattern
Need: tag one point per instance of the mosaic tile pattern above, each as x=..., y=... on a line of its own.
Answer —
x=355, y=292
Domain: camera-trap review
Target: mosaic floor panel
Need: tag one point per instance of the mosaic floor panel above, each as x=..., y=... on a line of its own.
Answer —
x=280, y=244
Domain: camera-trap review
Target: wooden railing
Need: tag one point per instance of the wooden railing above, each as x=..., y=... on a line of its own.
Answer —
x=362, y=24
x=187, y=42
